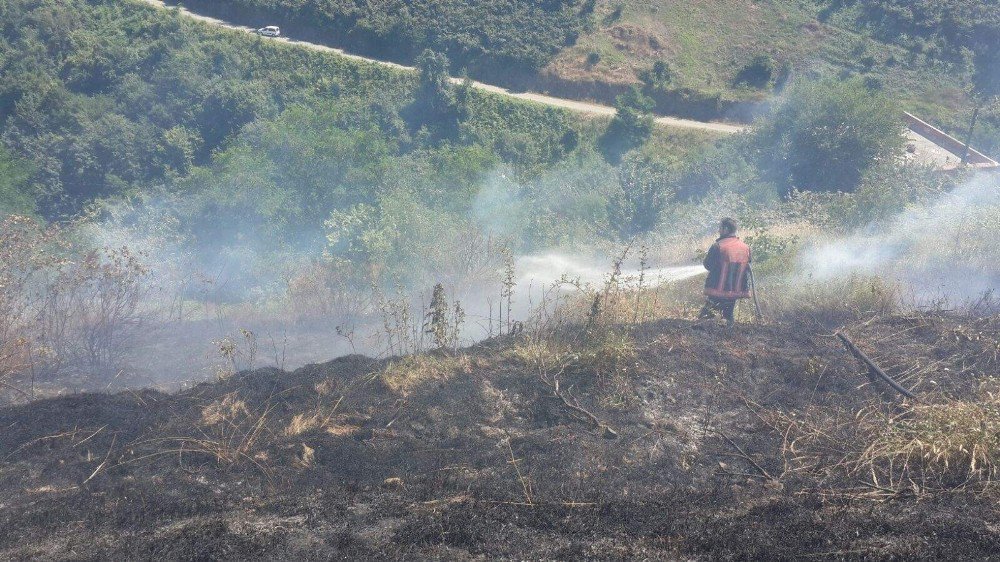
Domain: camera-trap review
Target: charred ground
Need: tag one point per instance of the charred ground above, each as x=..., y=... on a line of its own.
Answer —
x=474, y=455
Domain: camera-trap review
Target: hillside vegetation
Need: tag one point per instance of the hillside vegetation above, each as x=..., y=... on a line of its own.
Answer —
x=196, y=220
x=943, y=26
x=106, y=98
x=103, y=97
x=706, y=60
x=723, y=53
x=484, y=36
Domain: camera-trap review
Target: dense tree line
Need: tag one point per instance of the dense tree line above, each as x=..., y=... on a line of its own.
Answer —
x=477, y=35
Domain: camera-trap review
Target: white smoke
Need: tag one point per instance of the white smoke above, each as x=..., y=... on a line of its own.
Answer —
x=942, y=250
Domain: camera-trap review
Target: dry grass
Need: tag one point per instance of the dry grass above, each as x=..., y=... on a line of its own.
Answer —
x=229, y=431
x=830, y=303
x=305, y=422
x=403, y=375
x=921, y=449
x=230, y=409
x=947, y=444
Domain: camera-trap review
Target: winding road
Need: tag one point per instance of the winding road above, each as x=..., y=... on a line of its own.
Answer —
x=572, y=105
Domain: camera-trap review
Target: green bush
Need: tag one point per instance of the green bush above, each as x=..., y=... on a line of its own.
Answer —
x=758, y=73
x=658, y=77
x=826, y=134
x=644, y=190
x=631, y=126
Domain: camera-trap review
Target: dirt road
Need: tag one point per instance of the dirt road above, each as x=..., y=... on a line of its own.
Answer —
x=572, y=105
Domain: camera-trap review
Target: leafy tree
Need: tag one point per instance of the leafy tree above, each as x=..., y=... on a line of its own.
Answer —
x=826, y=135
x=435, y=105
x=230, y=105
x=631, y=126
x=644, y=190
x=658, y=77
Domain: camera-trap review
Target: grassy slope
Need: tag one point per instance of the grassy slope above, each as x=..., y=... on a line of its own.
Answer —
x=708, y=43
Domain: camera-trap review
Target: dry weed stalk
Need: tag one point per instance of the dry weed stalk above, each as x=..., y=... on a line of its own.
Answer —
x=524, y=481
x=240, y=353
x=507, y=289
x=403, y=333
x=443, y=321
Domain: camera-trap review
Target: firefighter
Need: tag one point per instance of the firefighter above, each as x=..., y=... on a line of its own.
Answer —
x=727, y=262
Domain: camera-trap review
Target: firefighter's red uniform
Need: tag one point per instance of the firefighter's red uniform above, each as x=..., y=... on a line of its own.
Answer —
x=728, y=264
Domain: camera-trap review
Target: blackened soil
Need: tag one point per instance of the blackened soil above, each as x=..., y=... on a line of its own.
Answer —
x=486, y=463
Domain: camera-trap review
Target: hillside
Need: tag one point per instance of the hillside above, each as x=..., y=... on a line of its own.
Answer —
x=104, y=99
x=722, y=58
x=763, y=442
x=264, y=299
x=736, y=51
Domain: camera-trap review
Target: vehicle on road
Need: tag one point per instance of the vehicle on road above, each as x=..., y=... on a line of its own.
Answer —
x=269, y=31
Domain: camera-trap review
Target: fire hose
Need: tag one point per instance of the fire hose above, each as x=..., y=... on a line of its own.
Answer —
x=753, y=293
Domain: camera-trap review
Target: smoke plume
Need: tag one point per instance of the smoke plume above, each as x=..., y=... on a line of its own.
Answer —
x=941, y=250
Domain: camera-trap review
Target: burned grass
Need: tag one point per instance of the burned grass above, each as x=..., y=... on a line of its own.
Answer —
x=742, y=443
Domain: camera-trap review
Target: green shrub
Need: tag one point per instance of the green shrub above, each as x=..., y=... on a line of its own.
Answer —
x=631, y=126
x=758, y=73
x=826, y=134
x=658, y=77
x=644, y=190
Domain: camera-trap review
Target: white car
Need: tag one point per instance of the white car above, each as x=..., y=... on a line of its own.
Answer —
x=269, y=31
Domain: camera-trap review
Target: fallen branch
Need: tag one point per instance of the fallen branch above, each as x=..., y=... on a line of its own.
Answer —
x=104, y=462
x=16, y=389
x=575, y=407
x=872, y=367
x=743, y=455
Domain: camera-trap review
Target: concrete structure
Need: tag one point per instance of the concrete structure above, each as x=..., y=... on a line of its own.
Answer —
x=927, y=144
